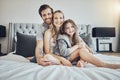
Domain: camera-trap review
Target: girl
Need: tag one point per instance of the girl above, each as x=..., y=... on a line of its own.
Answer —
x=71, y=46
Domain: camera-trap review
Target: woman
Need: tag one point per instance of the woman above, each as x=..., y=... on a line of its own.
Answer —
x=71, y=46
x=50, y=38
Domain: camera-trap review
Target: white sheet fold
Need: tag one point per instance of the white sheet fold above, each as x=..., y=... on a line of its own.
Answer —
x=13, y=70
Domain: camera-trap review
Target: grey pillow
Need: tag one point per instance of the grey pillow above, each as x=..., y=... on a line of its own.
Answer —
x=88, y=40
x=25, y=45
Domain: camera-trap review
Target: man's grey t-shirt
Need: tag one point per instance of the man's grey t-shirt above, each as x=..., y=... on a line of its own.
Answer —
x=40, y=34
x=41, y=30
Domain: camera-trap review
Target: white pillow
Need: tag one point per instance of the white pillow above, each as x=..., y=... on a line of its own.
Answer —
x=14, y=57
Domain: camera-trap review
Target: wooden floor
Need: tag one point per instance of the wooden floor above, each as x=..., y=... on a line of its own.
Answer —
x=114, y=54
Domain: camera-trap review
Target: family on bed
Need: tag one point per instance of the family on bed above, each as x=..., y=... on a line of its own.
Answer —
x=58, y=43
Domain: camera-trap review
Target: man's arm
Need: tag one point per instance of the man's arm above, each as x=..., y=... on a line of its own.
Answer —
x=47, y=39
x=38, y=51
x=39, y=45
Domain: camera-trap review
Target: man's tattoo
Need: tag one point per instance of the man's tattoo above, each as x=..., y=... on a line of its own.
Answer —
x=41, y=51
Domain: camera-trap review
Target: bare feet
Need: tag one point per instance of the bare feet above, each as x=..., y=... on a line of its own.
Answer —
x=81, y=63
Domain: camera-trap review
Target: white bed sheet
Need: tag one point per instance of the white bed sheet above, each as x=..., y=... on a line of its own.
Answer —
x=22, y=70
x=14, y=57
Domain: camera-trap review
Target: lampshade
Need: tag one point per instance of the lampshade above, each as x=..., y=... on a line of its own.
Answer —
x=2, y=31
x=103, y=32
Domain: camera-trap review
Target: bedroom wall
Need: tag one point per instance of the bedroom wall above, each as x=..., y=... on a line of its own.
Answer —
x=98, y=13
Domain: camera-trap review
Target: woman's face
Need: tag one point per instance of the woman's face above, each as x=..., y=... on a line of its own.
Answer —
x=58, y=19
x=69, y=29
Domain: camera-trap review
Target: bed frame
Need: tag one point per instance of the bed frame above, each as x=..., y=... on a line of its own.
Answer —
x=25, y=28
x=31, y=29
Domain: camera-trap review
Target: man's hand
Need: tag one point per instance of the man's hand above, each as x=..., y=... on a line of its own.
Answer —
x=42, y=61
x=53, y=60
x=47, y=60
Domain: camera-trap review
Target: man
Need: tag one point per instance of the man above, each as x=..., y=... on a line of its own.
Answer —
x=45, y=11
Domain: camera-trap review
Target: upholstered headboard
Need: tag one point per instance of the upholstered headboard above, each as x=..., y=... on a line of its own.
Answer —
x=24, y=28
x=31, y=29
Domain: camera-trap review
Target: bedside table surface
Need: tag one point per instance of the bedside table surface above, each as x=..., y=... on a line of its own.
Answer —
x=111, y=53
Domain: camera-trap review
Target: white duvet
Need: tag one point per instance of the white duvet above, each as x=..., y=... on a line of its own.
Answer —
x=19, y=69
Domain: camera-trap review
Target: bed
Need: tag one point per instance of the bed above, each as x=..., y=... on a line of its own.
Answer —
x=15, y=66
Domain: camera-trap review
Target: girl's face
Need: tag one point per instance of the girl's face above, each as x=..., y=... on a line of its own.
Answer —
x=69, y=29
x=58, y=19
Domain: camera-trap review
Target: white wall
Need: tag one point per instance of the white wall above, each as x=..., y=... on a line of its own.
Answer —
x=99, y=13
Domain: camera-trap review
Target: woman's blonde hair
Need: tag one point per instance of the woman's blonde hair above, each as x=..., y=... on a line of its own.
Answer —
x=53, y=28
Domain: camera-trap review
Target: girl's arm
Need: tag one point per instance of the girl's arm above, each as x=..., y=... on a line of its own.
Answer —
x=64, y=49
x=73, y=48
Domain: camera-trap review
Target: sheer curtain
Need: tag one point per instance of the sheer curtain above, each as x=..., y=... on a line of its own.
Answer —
x=119, y=37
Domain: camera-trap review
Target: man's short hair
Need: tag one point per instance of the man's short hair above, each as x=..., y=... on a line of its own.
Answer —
x=43, y=7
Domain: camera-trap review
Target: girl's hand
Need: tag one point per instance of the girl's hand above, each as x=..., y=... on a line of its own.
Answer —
x=80, y=45
x=66, y=62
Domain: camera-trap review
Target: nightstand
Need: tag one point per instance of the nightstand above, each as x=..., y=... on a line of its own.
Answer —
x=2, y=35
x=111, y=53
x=0, y=50
x=103, y=36
x=104, y=45
x=1, y=54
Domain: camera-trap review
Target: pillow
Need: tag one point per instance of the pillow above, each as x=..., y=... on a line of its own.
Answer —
x=88, y=40
x=25, y=45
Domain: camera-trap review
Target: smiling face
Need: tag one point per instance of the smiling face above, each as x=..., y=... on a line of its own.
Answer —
x=58, y=19
x=47, y=16
x=69, y=29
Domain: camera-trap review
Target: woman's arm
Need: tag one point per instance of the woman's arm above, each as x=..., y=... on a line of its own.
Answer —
x=47, y=37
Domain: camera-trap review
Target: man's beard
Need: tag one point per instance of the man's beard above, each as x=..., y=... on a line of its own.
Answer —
x=48, y=22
